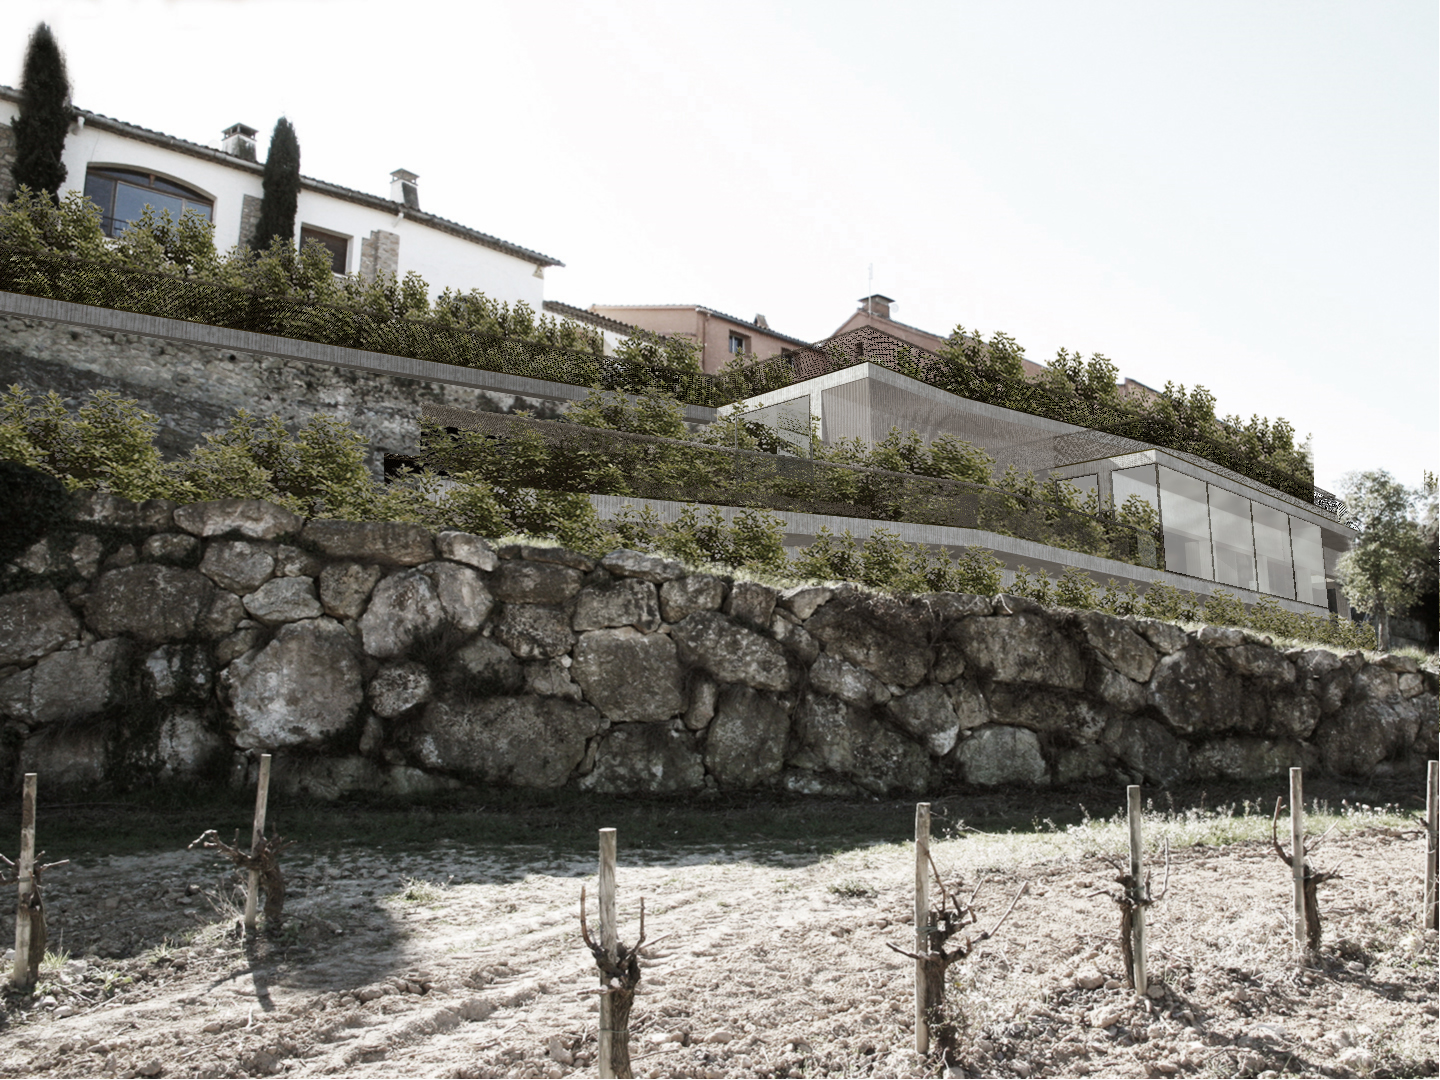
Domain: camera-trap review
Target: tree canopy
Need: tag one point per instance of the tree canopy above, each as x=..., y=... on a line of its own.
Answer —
x=1386, y=569
x=44, y=118
x=281, y=187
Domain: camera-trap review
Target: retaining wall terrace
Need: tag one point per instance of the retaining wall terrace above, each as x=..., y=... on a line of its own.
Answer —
x=150, y=642
x=194, y=377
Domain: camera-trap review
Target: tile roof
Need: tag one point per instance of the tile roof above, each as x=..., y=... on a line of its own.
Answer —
x=323, y=187
x=719, y=314
x=569, y=311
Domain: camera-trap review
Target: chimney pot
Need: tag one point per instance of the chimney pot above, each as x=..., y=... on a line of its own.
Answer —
x=403, y=188
x=238, y=140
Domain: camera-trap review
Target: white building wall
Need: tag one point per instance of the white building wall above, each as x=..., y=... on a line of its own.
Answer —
x=443, y=259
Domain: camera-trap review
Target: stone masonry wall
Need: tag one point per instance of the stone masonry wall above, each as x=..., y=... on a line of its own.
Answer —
x=146, y=642
x=194, y=389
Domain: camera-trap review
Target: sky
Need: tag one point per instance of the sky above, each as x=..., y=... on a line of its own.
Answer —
x=1238, y=195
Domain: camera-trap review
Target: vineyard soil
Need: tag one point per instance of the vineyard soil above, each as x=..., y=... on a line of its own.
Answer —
x=459, y=959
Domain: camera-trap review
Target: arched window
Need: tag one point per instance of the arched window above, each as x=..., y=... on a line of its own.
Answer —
x=123, y=194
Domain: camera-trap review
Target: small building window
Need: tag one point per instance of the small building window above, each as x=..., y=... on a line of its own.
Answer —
x=738, y=344
x=123, y=194
x=337, y=245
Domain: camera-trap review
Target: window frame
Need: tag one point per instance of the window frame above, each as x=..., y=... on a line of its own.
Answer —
x=190, y=196
x=317, y=233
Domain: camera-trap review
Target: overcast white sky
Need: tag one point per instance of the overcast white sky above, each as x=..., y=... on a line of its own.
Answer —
x=1242, y=195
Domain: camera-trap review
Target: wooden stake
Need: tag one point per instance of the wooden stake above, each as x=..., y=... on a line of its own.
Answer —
x=1137, y=920
x=1431, y=914
x=922, y=925
x=608, y=937
x=22, y=976
x=1297, y=861
x=257, y=835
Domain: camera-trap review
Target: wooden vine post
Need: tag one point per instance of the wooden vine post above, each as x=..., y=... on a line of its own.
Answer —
x=619, y=968
x=608, y=938
x=1297, y=864
x=257, y=841
x=1138, y=898
x=1430, y=916
x=1305, y=878
x=922, y=927
x=24, y=974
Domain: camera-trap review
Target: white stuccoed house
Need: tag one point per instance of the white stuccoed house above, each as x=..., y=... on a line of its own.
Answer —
x=123, y=167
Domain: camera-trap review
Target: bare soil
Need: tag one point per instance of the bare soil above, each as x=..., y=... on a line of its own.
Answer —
x=459, y=960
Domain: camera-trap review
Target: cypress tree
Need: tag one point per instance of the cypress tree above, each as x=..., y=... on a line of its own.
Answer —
x=281, y=187
x=44, y=117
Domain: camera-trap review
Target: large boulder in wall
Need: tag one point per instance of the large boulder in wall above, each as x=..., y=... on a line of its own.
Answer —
x=519, y=741
x=303, y=687
x=651, y=758
x=745, y=744
x=629, y=676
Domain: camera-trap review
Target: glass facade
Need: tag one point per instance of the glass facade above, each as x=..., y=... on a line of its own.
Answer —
x=1272, y=551
x=1234, y=542
x=1185, y=512
x=1309, y=563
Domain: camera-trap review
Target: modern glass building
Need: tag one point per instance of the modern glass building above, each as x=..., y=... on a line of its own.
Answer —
x=1220, y=529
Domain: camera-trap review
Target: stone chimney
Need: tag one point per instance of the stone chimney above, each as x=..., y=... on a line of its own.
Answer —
x=404, y=190
x=761, y=322
x=239, y=141
x=876, y=305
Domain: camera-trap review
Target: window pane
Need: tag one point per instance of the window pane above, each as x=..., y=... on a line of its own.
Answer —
x=101, y=191
x=1137, y=504
x=1139, y=481
x=1309, y=563
x=201, y=208
x=1272, y=551
x=1136, y=501
x=159, y=183
x=1186, y=516
x=1234, y=544
x=338, y=246
x=130, y=203
x=1088, y=489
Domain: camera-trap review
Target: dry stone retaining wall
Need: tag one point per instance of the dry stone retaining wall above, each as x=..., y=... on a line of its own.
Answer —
x=152, y=641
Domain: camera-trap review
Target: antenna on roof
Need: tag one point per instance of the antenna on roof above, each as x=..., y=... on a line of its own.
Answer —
x=870, y=290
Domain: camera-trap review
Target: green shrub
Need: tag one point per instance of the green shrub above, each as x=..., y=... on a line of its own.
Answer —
x=978, y=572
x=1036, y=586
x=1224, y=609
x=1076, y=589
x=1169, y=604
x=319, y=470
